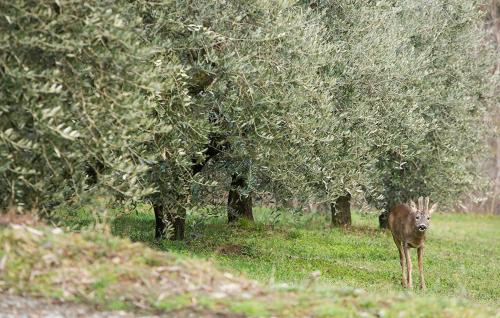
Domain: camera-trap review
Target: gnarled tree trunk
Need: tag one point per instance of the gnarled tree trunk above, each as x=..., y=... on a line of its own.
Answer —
x=383, y=218
x=341, y=211
x=176, y=219
x=239, y=205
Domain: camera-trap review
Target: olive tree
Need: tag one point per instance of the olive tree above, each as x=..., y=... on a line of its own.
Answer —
x=144, y=94
x=80, y=85
x=448, y=88
x=421, y=68
x=255, y=66
x=408, y=81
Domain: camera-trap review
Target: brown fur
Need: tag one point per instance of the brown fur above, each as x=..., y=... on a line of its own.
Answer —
x=408, y=224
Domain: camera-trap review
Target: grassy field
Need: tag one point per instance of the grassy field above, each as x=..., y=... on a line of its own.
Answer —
x=112, y=273
x=462, y=256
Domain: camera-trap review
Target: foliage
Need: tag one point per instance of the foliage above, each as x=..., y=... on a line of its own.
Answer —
x=253, y=68
x=142, y=88
x=408, y=84
x=307, y=101
x=77, y=84
x=421, y=70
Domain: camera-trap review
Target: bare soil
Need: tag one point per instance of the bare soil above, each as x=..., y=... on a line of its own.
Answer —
x=12, y=306
x=19, y=306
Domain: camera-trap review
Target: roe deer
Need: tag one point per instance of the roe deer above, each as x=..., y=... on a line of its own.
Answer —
x=408, y=224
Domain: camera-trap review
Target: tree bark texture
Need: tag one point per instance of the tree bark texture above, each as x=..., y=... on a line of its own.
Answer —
x=239, y=205
x=176, y=219
x=341, y=211
x=383, y=218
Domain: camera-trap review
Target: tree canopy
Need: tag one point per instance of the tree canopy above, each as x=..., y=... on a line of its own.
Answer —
x=304, y=100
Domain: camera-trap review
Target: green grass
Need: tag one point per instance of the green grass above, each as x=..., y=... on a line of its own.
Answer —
x=462, y=256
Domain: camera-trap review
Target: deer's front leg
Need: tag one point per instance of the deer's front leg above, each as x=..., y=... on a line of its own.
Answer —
x=420, y=253
x=408, y=264
x=401, y=262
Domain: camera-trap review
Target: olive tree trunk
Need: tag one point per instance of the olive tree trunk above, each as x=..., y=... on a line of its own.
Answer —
x=383, y=218
x=175, y=220
x=341, y=211
x=239, y=205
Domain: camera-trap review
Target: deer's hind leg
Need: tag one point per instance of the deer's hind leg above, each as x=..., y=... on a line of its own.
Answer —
x=401, y=261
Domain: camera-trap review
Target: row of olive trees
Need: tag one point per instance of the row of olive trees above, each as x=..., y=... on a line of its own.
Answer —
x=407, y=84
x=142, y=95
x=305, y=101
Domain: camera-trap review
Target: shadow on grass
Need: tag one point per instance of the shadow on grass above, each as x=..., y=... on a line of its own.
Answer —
x=137, y=228
x=363, y=230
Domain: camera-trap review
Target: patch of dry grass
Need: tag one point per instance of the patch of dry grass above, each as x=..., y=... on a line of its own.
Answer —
x=13, y=216
x=99, y=268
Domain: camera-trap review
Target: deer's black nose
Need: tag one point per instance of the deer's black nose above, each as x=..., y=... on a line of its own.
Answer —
x=422, y=228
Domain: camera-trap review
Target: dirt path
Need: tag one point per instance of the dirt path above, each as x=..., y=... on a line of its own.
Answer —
x=27, y=307
x=12, y=306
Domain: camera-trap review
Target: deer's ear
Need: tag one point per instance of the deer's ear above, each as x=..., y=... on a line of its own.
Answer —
x=433, y=208
x=413, y=206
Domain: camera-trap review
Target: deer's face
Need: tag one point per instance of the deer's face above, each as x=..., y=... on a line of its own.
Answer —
x=422, y=220
x=422, y=214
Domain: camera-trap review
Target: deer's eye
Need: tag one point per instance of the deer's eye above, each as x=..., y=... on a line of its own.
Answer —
x=428, y=218
x=417, y=217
